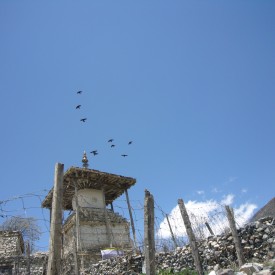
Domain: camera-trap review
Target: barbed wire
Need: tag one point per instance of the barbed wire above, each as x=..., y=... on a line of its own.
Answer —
x=25, y=211
x=29, y=205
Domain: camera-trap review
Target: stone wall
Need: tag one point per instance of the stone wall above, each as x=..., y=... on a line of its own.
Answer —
x=93, y=231
x=11, y=243
x=257, y=239
x=36, y=264
x=258, y=242
x=96, y=237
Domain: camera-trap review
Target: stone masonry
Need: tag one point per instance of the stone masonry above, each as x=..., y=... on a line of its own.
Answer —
x=11, y=243
x=257, y=238
x=258, y=242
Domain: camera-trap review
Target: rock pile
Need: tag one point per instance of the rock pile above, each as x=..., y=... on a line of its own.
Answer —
x=217, y=253
x=129, y=265
x=247, y=269
x=257, y=238
x=258, y=243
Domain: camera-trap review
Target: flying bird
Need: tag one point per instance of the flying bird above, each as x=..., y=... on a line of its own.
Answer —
x=79, y=92
x=83, y=119
x=78, y=106
x=112, y=145
x=111, y=140
x=130, y=142
x=124, y=156
x=94, y=152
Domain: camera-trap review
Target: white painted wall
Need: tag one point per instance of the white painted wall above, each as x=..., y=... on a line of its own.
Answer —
x=89, y=198
x=95, y=235
x=91, y=236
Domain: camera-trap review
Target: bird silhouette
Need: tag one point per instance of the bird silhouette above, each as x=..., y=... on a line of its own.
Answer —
x=111, y=140
x=112, y=145
x=78, y=106
x=79, y=92
x=124, y=155
x=130, y=142
x=83, y=119
x=94, y=152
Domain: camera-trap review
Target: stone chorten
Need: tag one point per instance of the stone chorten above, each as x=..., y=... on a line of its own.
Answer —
x=91, y=227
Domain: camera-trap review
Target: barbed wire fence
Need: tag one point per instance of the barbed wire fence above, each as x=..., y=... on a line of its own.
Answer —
x=24, y=213
x=27, y=207
x=170, y=233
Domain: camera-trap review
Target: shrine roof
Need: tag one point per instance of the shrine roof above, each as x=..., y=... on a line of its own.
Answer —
x=82, y=178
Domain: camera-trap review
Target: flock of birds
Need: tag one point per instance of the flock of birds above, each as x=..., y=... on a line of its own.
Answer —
x=95, y=152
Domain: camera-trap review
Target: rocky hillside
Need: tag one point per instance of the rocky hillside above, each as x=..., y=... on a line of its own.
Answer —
x=267, y=211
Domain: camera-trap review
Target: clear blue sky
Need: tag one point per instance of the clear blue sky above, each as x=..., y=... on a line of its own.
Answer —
x=190, y=82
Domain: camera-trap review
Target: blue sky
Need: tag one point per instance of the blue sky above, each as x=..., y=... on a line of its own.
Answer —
x=190, y=82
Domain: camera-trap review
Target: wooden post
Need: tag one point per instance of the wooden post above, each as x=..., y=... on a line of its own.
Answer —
x=54, y=260
x=131, y=219
x=28, y=252
x=50, y=215
x=149, y=234
x=77, y=231
x=107, y=222
x=17, y=261
x=172, y=234
x=191, y=237
x=209, y=228
x=76, y=269
x=237, y=242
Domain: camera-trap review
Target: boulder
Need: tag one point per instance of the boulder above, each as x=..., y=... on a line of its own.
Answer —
x=265, y=272
x=251, y=268
x=227, y=271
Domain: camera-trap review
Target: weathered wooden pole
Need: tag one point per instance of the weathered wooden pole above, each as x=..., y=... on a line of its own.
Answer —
x=107, y=221
x=55, y=248
x=17, y=262
x=76, y=269
x=50, y=215
x=77, y=230
x=28, y=252
x=149, y=234
x=131, y=219
x=209, y=228
x=171, y=231
x=191, y=237
x=237, y=242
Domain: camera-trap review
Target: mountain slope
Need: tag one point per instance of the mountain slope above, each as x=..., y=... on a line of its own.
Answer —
x=267, y=210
